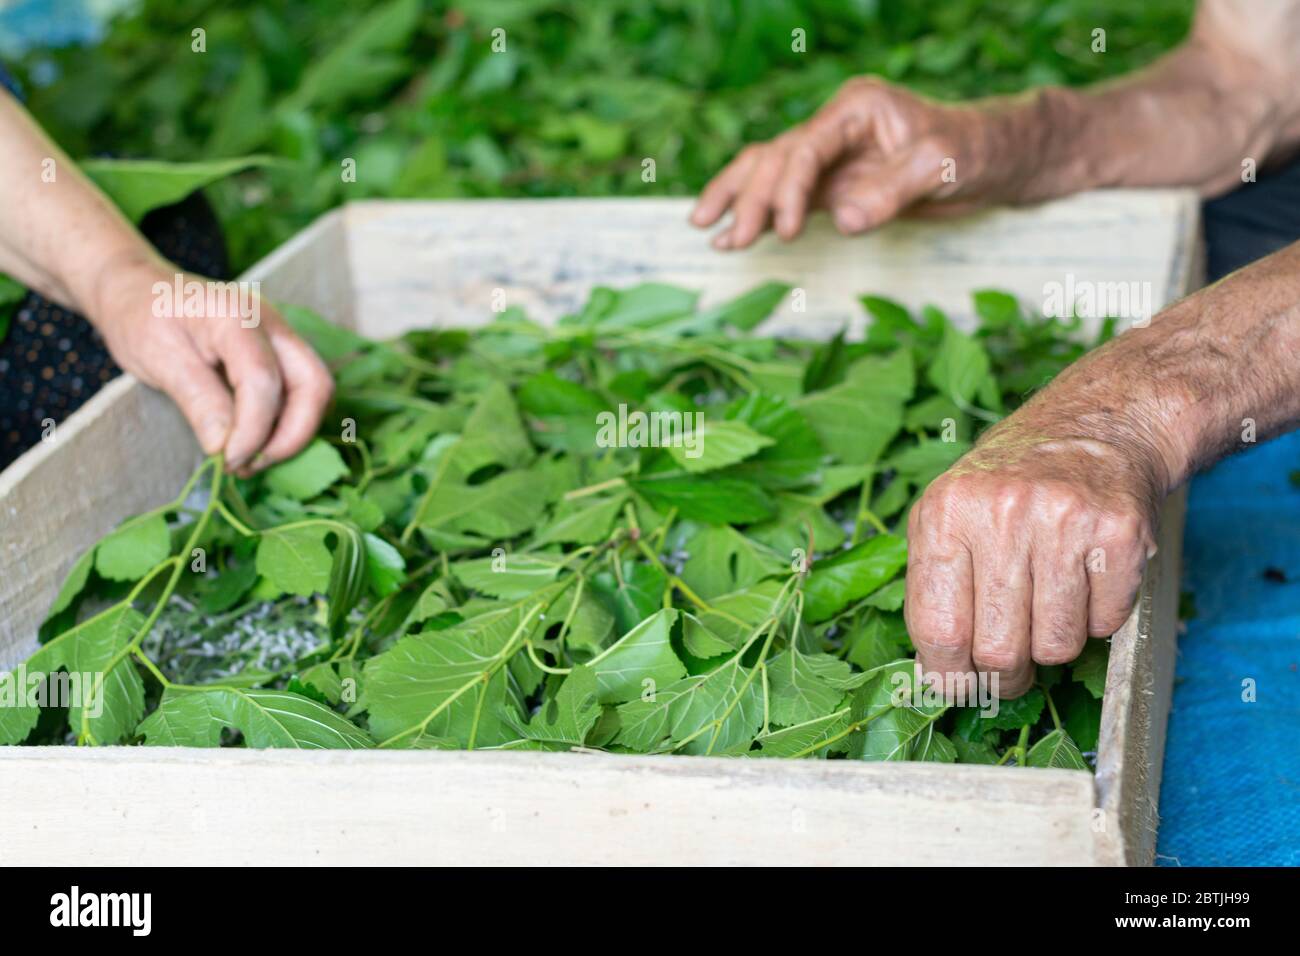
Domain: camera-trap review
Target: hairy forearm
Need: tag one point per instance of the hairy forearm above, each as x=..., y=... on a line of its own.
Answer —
x=1208, y=376
x=58, y=233
x=1225, y=98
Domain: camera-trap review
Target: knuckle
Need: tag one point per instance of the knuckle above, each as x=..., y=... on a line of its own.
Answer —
x=1061, y=503
x=1009, y=500
x=865, y=83
x=262, y=380
x=1125, y=524
x=937, y=630
x=934, y=148
x=1060, y=643
x=1002, y=659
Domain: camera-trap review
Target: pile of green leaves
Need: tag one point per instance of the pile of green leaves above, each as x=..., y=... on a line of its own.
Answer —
x=463, y=559
x=582, y=93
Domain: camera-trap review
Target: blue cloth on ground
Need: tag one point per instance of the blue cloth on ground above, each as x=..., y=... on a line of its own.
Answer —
x=1231, y=789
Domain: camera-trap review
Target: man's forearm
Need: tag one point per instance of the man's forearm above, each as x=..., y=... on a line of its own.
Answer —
x=1209, y=375
x=1226, y=96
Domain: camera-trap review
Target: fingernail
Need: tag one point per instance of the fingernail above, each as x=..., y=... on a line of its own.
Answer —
x=212, y=434
x=258, y=462
x=722, y=241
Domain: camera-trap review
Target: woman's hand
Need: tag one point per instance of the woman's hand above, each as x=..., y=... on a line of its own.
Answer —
x=245, y=382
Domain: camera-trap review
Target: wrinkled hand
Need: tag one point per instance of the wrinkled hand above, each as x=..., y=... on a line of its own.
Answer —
x=256, y=393
x=1026, y=548
x=872, y=152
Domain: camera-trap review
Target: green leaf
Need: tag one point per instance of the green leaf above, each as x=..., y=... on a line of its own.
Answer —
x=587, y=522
x=101, y=687
x=709, y=500
x=723, y=560
x=510, y=576
x=501, y=507
x=139, y=185
x=796, y=452
x=1056, y=750
x=308, y=473
x=494, y=434
x=897, y=733
x=347, y=580
x=567, y=718
x=806, y=738
x=642, y=306
x=960, y=367
x=934, y=747
x=332, y=342
x=876, y=639
x=715, y=713
x=295, y=559
x=854, y=424
x=1089, y=669
x=851, y=575
x=641, y=661
x=1014, y=714
x=134, y=549
x=717, y=445
x=361, y=62
x=745, y=311
x=997, y=310
x=733, y=617
x=922, y=463
x=798, y=690
x=385, y=566
x=266, y=718
x=633, y=593
x=422, y=676
x=74, y=583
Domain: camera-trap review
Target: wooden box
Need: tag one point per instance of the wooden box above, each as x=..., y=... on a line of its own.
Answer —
x=383, y=267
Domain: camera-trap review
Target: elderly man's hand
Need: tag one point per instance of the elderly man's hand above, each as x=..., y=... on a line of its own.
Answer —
x=1030, y=545
x=247, y=384
x=872, y=152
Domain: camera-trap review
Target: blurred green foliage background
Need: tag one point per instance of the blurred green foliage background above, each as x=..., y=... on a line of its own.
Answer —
x=583, y=92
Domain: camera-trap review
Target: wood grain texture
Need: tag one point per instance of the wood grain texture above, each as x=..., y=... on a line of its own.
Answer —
x=439, y=263
x=1139, y=688
x=383, y=267
x=171, y=806
x=125, y=451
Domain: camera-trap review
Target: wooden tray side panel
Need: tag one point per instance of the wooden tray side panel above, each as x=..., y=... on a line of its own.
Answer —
x=167, y=807
x=1139, y=688
x=125, y=451
x=441, y=263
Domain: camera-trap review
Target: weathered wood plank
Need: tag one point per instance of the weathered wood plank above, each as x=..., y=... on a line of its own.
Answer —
x=165, y=806
x=440, y=263
x=1139, y=688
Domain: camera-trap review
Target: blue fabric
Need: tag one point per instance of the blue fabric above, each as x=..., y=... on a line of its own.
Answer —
x=1231, y=789
x=8, y=83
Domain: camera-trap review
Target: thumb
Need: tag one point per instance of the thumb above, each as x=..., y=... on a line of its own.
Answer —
x=203, y=398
